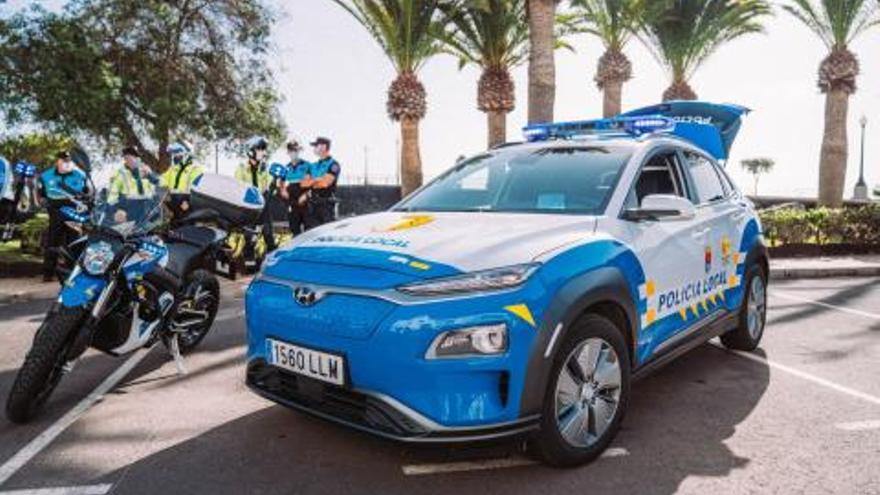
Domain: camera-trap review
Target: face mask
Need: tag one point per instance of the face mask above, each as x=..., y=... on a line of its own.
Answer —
x=65, y=167
x=260, y=154
x=294, y=155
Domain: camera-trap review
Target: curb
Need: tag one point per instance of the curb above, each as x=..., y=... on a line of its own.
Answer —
x=807, y=273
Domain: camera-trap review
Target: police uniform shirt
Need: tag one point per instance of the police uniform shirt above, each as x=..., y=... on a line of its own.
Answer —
x=178, y=179
x=7, y=180
x=58, y=186
x=321, y=168
x=131, y=184
x=296, y=172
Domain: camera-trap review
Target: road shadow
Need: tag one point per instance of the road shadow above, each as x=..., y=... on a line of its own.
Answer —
x=841, y=297
x=677, y=427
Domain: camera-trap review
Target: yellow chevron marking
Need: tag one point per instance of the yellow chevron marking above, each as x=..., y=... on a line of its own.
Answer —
x=408, y=222
x=731, y=281
x=735, y=258
x=694, y=310
x=651, y=315
x=713, y=299
x=721, y=295
x=705, y=306
x=419, y=265
x=522, y=311
x=684, y=313
x=650, y=288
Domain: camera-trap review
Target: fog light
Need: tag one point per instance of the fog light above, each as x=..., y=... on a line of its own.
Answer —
x=485, y=340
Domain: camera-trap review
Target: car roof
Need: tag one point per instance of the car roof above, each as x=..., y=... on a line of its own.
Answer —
x=618, y=141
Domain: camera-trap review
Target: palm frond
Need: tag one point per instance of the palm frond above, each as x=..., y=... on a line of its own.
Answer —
x=836, y=22
x=487, y=33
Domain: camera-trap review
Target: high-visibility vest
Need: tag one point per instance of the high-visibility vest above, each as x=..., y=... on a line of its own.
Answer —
x=124, y=183
x=178, y=179
x=259, y=177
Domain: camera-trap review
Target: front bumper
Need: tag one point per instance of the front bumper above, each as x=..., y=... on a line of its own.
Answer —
x=368, y=412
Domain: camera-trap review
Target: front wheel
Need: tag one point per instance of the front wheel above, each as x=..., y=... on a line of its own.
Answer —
x=752, y=315
x=587, y=394
x=195, y=313
x=43, y=366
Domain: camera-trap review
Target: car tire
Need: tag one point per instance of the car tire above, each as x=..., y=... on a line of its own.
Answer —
x=752, y=314
x=569, y=433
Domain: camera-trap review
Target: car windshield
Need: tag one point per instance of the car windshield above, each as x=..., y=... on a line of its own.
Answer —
x=130, y=216
x=570, y=179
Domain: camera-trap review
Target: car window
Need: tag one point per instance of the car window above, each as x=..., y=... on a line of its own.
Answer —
x=705, y=178
x=572, y=179
x=659, y=175
x=726, y=180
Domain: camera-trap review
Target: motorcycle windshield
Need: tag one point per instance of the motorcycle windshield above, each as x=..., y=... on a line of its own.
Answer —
x=131, y=215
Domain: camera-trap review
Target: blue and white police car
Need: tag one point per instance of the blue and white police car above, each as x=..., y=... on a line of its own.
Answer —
x=522, y=291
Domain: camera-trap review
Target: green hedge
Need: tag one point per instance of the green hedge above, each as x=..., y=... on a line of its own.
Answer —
x=857, y=226
x=31, y=233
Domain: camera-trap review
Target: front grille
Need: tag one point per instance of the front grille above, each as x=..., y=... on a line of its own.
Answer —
x=326, y=399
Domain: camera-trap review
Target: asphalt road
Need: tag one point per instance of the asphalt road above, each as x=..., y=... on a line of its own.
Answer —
x=800, y=415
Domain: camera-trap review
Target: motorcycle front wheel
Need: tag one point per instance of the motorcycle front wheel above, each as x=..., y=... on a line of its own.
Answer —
x=43, y=365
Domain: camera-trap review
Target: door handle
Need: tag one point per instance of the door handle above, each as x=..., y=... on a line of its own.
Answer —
x=700, y=233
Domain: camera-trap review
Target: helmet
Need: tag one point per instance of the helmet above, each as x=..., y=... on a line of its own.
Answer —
x=256, y=143
x=181, y=153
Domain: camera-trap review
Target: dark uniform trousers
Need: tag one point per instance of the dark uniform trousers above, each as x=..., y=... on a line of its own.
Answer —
x=323, y=210
x=57, y=236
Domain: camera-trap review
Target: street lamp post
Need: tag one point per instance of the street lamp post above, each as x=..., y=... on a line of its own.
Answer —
x=861, y=190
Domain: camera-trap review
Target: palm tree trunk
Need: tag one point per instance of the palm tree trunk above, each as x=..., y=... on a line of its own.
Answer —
x=612, y=94
x=411, y=159
x=542, y=67
x=832, y=163
x=497, y=122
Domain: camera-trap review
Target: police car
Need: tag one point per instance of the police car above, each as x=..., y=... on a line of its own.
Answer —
x=522, y=291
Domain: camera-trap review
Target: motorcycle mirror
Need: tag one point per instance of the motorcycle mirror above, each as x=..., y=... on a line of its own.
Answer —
x=81, y=159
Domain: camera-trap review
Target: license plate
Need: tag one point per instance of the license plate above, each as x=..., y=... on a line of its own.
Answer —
x=319, y=365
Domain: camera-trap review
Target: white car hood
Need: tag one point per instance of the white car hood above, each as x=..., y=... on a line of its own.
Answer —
x=467, y=241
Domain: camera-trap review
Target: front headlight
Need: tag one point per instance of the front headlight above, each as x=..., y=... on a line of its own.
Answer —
x=97, y=257
x=484, y=340
x=482, y=281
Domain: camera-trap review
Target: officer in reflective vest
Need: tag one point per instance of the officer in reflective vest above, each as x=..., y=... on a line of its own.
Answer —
x=132, y=183
x=253, y=172
x=293, y=191
x=324, y=175
x=57, y=187
x=179, y=177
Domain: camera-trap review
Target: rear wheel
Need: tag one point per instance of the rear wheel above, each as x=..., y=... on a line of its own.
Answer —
x=587, y=394
x=752, y=315
x=195, y=314
x=43, y=366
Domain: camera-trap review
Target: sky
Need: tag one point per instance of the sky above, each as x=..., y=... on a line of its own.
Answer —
x=334, y=80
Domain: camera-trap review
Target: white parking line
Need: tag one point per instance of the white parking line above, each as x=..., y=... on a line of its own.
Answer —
x=63, y=490
x=803, y=375
x=871, y=424
x=506, y=462
x=826, y=305
x=39, y=443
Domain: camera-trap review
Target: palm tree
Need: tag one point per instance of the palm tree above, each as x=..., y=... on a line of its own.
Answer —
x=684, y=33
x=756, y=167
x=613, y=22
x=407, y=31
x=836, y=23
x=542, y=65
x=492, y=34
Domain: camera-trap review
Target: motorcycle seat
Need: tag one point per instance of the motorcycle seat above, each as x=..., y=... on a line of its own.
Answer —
x=186, y=246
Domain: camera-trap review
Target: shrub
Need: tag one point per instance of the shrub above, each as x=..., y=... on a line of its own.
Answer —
x=32, y=234
x=858, y=225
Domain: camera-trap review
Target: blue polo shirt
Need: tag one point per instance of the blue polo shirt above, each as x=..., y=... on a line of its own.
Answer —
x=61, y=186
x=298, y=171
x=321, y=168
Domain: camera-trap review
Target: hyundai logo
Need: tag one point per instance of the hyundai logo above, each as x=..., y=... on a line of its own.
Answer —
x=306, y=296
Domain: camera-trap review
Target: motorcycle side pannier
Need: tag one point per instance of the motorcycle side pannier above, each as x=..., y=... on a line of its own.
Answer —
x=237, y=203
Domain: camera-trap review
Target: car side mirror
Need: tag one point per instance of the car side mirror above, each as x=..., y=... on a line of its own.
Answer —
x=663, y=207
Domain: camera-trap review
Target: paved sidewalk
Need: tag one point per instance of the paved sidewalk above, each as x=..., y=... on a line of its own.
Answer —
x=837, y=266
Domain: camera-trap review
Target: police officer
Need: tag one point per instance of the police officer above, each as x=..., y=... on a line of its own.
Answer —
x=324, y=175
x=57, y=187
x=7, y=199
x=253, y=173
x=293, y=191
x=179, y=177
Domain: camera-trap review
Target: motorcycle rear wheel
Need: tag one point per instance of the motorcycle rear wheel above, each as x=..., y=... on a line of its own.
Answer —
x=196, y=313
x=43, y=365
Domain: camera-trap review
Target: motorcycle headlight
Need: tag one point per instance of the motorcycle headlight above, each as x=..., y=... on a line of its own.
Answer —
x=482, y=281
x=97, y=257
x=484, y=340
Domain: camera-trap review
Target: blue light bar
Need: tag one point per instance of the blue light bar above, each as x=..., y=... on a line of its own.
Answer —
x=25, y=169
x=629, y=126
